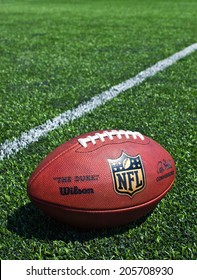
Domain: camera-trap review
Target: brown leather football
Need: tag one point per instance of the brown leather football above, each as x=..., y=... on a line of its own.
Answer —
x=102, y=179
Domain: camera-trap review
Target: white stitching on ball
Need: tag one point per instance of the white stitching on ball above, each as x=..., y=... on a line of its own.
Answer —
x=109, y=134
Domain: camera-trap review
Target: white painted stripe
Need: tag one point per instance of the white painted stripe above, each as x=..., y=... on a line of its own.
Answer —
x=11, y=147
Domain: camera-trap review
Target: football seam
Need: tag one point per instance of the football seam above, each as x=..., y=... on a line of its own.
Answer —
x=48, y=163
x=103, y=210
x=96, y=148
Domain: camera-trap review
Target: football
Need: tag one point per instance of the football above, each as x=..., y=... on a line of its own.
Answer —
x=102, y=179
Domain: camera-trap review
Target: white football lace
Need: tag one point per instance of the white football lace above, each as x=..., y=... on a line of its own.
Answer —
x=109, y=134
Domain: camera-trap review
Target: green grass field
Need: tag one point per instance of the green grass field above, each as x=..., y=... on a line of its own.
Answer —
x=55, y=55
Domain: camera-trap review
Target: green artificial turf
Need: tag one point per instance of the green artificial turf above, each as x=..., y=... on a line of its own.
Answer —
x=55, y=55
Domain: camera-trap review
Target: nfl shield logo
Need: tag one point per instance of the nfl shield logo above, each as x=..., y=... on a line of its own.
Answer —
x=127, y=174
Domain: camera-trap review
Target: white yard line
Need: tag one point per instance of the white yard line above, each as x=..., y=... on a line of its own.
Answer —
x=11, y=147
